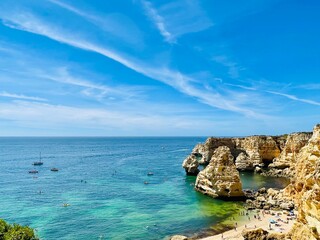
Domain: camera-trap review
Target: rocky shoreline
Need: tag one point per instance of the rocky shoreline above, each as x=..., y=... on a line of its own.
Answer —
x=295, y=156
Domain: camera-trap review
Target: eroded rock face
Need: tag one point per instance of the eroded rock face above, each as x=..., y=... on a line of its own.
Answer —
x=260, y=149
x=270, y=199
x=260, y=234
x=289, y=153
x=191, y=164
x=249, y=152
x=305, y=189
x=243, y=162
x=220, y=178
x=254, y=234
x=207, y=149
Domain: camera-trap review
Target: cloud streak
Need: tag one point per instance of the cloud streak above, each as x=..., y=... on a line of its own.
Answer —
x=158, y=21
x=292, y=97
x=127, y=31
x=177, y=18
x=21, y=96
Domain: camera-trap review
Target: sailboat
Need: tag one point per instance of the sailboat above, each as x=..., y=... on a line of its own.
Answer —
x=38, y=163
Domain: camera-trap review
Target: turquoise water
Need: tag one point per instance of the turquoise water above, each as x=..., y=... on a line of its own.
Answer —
x=103, y=181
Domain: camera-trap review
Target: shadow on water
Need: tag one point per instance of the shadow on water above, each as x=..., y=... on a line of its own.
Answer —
x=255, y=181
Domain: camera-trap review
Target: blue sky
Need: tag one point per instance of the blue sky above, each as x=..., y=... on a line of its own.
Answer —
x=158, y=68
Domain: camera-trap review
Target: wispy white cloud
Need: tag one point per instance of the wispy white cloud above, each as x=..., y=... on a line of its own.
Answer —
x=233, y=67
x=158, y=21
x=241, y=86
x=21, y=96
x=173, y=78
x=177, y=18
x=295, y=98
x=116, y=25
x=75, y=10
x=92, y=89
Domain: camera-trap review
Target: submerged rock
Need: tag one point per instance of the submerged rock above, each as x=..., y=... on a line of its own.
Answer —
x=220, y=178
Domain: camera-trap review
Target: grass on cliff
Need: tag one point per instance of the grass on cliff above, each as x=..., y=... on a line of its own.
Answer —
x=16, y=232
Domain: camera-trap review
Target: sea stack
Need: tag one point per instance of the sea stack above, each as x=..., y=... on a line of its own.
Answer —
x=191, y=164
x=220, y=178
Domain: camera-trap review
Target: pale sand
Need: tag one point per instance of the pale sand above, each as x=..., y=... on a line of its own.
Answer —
x=254, y=223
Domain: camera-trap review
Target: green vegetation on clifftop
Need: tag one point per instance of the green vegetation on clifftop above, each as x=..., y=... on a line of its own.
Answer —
x=16, y=232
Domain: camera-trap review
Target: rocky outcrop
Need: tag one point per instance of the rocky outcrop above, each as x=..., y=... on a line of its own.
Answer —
x=191, y=164
x=248, y=152
x=253, y=153
x=269, y=199
x=260, y=149
x=295, y=155
x=305, y=189
x=206, y=150
x=243, y=162
x=292, y=147
x=257, y=234
x=260, y=234
x=178, y=237
x=220, y=178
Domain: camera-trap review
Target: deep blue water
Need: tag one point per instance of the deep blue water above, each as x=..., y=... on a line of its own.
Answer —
x=103, y=181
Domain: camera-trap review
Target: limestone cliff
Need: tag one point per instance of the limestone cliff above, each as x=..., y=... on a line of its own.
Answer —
x=248, y=152
x=305, y=190
x=292, y=147
x=253, y=152
x=260, y=149
x=220, y=178
x=206, y=150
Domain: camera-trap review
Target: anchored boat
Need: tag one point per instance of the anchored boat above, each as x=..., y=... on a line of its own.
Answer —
x=38, y=163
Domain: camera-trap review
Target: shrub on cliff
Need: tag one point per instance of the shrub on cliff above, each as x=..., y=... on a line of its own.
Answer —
x=16, y=232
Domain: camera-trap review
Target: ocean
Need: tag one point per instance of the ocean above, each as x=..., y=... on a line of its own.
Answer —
x=106, y=185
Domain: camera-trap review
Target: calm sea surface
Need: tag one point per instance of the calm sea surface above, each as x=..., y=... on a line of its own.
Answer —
x=103, y=181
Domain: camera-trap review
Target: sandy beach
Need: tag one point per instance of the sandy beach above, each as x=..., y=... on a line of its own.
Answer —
x=251, y=221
